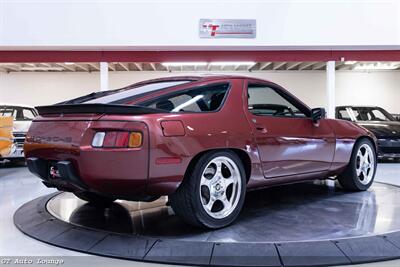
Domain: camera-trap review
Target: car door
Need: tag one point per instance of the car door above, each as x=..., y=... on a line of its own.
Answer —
x=288, y=141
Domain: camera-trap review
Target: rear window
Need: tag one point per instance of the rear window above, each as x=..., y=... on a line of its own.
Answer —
x=124, y=95
x=201, y=99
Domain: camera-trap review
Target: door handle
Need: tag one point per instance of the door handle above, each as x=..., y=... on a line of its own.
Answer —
x=261, y=128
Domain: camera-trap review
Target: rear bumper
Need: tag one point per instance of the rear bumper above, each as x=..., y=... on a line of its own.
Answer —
x=67, y=180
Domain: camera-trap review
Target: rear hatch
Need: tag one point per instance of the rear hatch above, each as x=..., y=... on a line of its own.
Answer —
x=63, y=131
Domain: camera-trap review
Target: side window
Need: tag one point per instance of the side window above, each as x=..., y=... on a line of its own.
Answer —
x=357, y=114
x=344, y=114
x=264, y=100
x=204, y=99
x=28, y=114
x=378, y=115
x=7, y=112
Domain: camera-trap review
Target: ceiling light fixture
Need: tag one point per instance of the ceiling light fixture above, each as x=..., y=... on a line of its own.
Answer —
x=42, y=68
x=350, y=62
x=69, y=63
x=376, y=66
x=179, y=64
x=227, y=63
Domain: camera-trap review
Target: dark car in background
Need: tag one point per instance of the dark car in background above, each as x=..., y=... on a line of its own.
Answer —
x=380, y=122
x=396, y=116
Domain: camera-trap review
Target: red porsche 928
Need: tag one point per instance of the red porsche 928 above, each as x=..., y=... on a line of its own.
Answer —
x=202, y=141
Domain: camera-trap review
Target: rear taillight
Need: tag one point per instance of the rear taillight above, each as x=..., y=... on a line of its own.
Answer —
x=117, y=139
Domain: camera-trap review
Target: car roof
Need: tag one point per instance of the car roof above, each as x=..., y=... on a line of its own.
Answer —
x=15, y=105
x=197, y=78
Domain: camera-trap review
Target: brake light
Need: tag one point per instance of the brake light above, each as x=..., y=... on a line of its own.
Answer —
x=117, y=139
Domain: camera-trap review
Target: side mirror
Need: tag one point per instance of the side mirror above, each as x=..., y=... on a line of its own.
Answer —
x=317, y=114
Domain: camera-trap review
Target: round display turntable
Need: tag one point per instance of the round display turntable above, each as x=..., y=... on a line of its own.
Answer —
x=297, y=225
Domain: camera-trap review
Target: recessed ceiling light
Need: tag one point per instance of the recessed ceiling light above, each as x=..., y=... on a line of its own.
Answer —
x=232, y=63
x=179, y=64
x=69, y=63
x=350, y=62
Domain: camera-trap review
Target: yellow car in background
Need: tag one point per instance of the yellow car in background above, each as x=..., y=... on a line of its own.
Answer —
x=6, y=136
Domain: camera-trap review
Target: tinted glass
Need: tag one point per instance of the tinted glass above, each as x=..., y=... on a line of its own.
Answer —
x=27, y=114
x=344, y=114
x=263, y=100
x=204, y=99
x=371, y=114
x=123, y=95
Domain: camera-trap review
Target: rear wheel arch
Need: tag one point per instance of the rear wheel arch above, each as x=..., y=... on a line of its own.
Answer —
x=244, y=157
x=191, y=201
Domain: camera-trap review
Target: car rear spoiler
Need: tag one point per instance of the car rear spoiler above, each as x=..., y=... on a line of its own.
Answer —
x=97, y=108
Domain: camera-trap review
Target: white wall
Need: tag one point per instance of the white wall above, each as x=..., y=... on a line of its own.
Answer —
x=356, y=88
x=169, y=24
x=374, y=88
x=45, y=88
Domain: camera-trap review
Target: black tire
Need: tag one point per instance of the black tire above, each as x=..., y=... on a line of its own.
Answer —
x=349, y=179
x=94, y=199
x=186, y=201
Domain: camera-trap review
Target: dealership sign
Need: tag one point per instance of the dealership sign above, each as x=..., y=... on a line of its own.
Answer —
x=227, y=28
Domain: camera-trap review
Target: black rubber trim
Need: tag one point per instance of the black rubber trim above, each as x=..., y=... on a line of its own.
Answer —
x=97, y=108
x=38, y=167
x=34, y=220
x=67, y=173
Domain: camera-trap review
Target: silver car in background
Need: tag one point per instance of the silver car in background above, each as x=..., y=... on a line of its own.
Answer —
x=23, y=116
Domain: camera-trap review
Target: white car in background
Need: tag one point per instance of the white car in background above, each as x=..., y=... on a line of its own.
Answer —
x=23, y=116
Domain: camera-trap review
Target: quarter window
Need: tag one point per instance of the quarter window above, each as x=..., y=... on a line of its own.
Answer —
x=203, y=99
x=264, y=100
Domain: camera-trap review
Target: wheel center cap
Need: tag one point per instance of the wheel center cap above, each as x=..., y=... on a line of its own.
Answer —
x=218, y=187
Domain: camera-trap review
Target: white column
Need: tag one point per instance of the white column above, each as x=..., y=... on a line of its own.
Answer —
x=103, y=76
x=330, y=89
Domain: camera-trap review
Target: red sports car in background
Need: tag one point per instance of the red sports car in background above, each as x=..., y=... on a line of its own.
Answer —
x=203, y=141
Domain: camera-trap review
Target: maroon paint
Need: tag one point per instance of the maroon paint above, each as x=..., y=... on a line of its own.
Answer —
x=162, y=56
x=280, y=150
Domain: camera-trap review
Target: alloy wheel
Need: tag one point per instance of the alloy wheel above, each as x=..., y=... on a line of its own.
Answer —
x=365, y=164
x=220, y=187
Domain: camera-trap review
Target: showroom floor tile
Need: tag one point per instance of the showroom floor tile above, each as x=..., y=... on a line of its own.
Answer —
x=18, y=186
